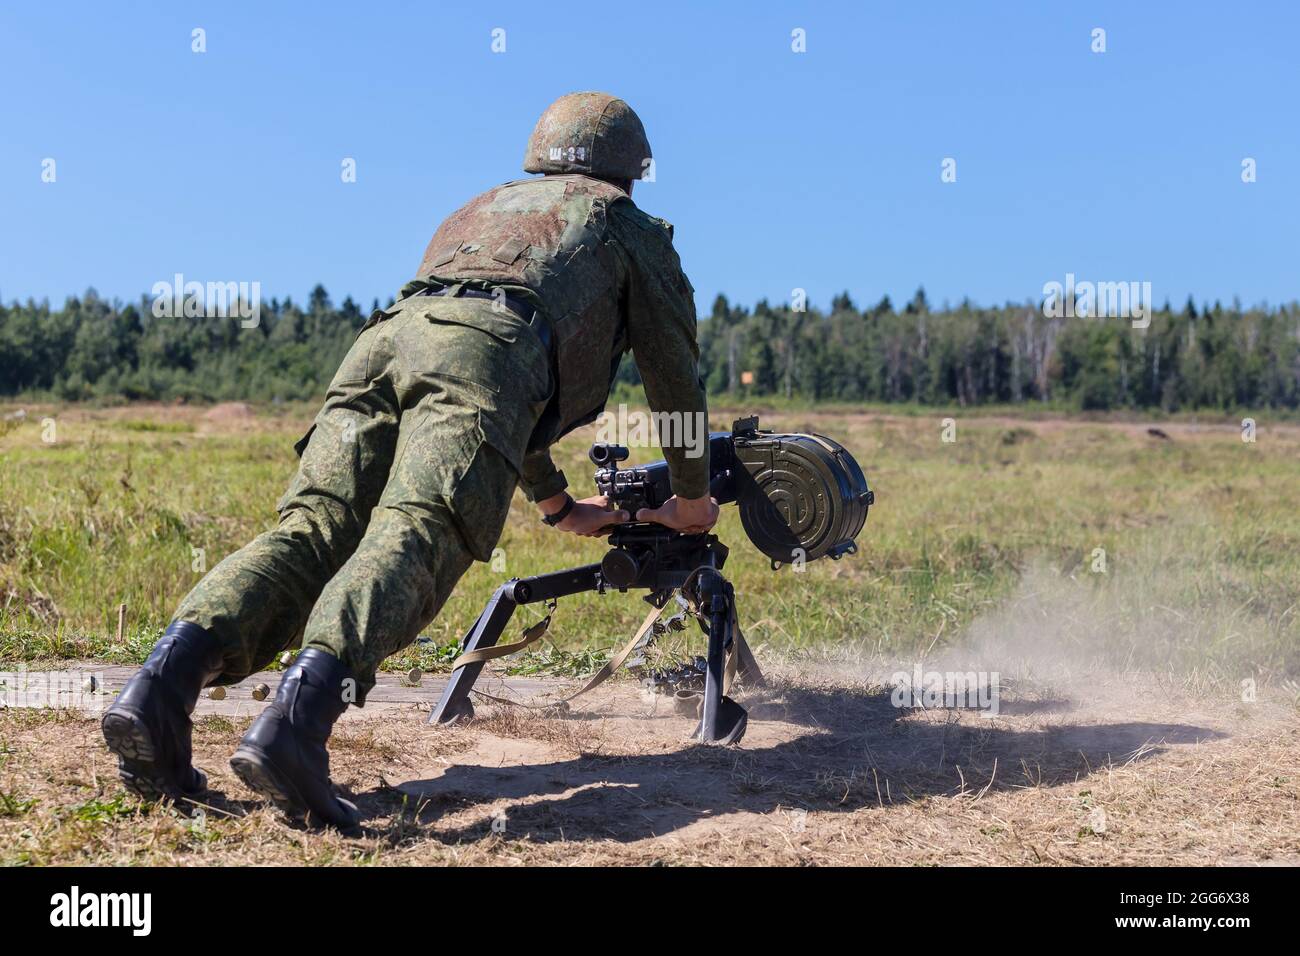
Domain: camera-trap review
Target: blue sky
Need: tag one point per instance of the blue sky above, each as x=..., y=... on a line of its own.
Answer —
x=818, y=170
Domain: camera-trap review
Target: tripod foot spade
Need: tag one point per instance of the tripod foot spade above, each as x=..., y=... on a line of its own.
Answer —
x=459, y=712
x=731, y=723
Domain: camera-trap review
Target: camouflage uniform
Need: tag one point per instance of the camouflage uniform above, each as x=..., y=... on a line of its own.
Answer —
x=442, y=407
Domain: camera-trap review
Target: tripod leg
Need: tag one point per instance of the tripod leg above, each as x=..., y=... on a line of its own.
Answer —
x=747, y=668
x=722, y=720
x=455, y=703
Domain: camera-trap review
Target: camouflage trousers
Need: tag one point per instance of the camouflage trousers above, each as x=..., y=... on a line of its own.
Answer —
x=405, y=478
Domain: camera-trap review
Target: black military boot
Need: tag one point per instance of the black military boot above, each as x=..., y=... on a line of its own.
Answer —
x=283, y=755
x=148, y=726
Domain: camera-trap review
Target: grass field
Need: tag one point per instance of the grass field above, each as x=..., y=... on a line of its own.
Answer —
x=1200, y=533
x=983, y=551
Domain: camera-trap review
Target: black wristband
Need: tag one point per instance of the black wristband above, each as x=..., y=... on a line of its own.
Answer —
x=554, y=519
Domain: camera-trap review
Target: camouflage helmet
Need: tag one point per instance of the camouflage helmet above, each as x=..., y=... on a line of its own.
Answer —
x=592, y=133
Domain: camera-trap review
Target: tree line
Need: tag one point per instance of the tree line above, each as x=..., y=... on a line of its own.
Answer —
x=1211, y=357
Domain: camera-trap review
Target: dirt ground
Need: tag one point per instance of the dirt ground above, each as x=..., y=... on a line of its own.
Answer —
x=1080, y=766
x=1119, y=769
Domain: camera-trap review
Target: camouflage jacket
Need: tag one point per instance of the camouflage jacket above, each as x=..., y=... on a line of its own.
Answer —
x=607, y=278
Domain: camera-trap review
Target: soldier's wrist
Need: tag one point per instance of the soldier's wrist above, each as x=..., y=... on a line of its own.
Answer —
x=553, y=514
x=554, y=503
x=694, y=507
x=690, y=489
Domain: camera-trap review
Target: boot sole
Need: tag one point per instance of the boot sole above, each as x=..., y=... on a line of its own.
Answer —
x=129, y=739
x=259, y=773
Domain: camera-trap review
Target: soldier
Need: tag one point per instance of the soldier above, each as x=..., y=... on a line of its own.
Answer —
x=526, y=300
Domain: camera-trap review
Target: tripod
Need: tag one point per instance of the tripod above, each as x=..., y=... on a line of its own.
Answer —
x=641, y=556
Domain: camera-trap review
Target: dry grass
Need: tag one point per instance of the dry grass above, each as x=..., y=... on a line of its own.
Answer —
x=1200, y=532
x=1114, y=769
x=1122, y=739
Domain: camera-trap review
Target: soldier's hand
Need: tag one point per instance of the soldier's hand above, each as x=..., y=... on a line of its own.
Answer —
x=690, y=515
x=592, y=517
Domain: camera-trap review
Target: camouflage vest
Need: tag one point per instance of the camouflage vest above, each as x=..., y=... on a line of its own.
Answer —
x=547, y=235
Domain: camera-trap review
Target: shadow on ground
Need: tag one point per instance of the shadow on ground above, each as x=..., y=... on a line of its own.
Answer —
x=850, y=751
